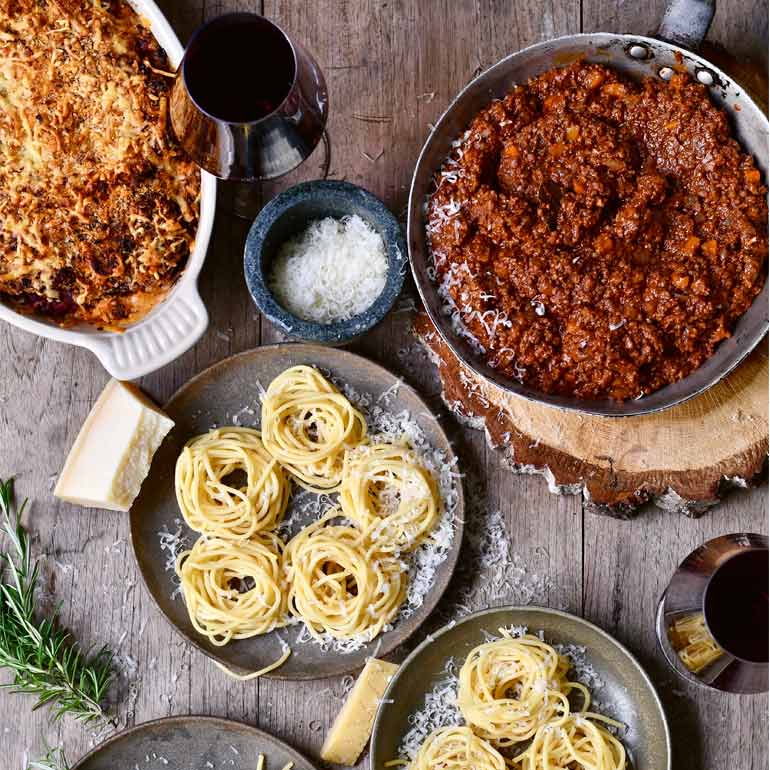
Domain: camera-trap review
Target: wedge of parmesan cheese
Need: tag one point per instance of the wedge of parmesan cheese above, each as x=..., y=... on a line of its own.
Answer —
x=353, y=725
x=112, y=454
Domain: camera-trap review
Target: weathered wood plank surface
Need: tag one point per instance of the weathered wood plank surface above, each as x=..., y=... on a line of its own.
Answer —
x=406, y=60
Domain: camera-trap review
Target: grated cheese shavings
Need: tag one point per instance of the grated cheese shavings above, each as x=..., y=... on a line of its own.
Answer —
x=332, y=271
x=438, y=710
x=173, y=543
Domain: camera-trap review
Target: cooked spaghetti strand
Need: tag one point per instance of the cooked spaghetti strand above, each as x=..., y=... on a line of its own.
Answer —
x=512, y=686
x=574, y=743
x=338, y=585
x=389, y=494
x=233, y=589
x=277, y=663
x=456, y=748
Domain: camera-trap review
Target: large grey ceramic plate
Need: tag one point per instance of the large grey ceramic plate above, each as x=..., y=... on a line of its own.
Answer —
x=182, y=743
x=212, y=398
x=627, y=693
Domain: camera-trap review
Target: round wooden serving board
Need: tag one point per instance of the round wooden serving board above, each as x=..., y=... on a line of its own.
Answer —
x=683, y=459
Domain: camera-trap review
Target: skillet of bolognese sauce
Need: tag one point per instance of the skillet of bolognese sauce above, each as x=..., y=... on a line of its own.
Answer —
x=598, y=237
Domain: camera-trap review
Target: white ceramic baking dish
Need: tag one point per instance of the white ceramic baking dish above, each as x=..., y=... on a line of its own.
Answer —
x=177, y=323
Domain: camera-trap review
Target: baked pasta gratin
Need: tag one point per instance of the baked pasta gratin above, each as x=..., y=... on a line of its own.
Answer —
x=98, y=209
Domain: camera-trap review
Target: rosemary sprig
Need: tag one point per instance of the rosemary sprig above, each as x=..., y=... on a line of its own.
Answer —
x=53, y=760
x=44, y=660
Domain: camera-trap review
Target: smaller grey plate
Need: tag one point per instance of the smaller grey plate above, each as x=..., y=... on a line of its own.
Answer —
x=191, y=743
x=626, y=692
x=213, y=397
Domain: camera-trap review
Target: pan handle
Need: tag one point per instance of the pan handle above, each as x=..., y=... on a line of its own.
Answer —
x=686, y=22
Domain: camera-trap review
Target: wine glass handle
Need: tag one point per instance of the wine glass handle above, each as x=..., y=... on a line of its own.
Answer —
x=686, y=22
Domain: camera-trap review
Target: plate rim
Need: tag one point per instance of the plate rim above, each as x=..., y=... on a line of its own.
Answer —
x=440, y=585
x=195, y=718
x=451, y=625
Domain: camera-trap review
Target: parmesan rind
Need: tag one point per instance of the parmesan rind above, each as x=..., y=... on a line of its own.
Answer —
x=353, y=725
x=112, y=454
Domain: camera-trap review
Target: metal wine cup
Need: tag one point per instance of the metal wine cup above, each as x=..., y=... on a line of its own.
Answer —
x=685, y=595
x=266, y=147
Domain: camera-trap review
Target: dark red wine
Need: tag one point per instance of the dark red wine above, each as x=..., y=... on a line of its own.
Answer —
x=239, y=68
x=736, y=606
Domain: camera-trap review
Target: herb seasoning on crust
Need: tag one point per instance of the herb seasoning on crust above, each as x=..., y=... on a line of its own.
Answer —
x=598, y=237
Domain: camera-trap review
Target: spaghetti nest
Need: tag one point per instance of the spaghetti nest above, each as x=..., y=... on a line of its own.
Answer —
x=456, y=748
x=387, y=492
x=338, y=584
x=234, y=589
x=307, y=425
x=213, y=506
x=573, y=742
x=512, y=686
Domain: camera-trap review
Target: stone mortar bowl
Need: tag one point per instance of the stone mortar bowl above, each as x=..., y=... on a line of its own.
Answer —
x=291, y=212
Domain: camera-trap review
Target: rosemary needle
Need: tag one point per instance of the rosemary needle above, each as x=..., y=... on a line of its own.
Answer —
x=53, y=760
x=44, y=660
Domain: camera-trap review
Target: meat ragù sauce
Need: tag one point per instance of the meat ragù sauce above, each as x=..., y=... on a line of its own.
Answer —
x=598, y=237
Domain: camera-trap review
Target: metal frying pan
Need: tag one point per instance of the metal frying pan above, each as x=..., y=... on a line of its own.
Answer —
x=683, y=28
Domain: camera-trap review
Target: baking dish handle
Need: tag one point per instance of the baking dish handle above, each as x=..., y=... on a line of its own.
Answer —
x=162, y=337
x=686, y=22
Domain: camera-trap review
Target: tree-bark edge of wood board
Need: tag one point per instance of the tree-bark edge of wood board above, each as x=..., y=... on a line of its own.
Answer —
x=683, y=459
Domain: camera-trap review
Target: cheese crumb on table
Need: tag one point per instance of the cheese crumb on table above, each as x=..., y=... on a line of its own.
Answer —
x=112, y=454
x=353, y=725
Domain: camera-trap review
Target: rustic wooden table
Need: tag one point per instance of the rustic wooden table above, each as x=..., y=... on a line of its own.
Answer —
x=403, y=60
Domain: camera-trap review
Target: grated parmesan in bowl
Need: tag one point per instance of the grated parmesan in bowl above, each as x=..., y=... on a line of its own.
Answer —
x=331, y=271
x=325, y=261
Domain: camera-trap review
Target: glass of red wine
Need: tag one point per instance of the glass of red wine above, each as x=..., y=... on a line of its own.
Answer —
x=248, y=103
x=735, y=605
x=712, y=620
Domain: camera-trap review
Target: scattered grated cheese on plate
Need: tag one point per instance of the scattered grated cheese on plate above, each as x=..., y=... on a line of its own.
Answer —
x=332, y=271
x=439, y=709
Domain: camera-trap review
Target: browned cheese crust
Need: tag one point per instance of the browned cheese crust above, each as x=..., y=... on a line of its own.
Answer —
x=599, y=237
x=98, y=211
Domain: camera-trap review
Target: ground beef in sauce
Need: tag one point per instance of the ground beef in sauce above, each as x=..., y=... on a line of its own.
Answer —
x=596, y=236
